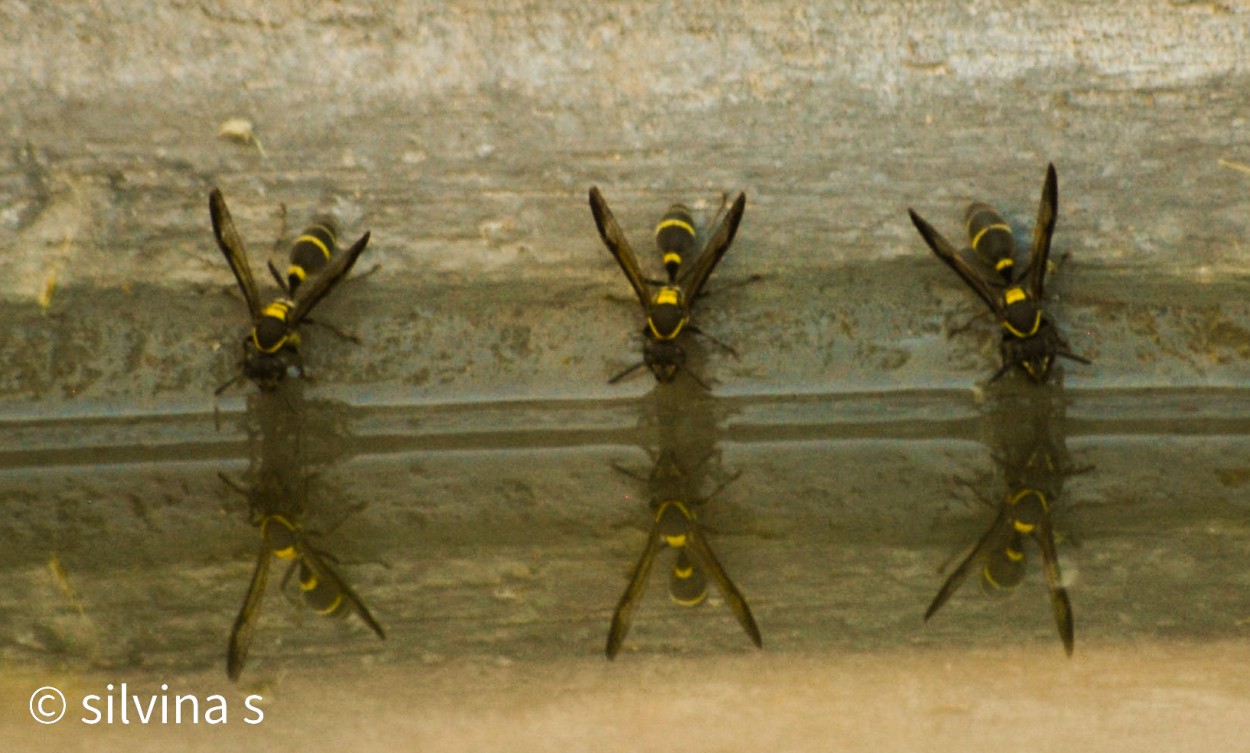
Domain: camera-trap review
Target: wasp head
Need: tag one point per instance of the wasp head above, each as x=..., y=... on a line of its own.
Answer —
x=664, y=357
x=267, y=370
x=1034, y=354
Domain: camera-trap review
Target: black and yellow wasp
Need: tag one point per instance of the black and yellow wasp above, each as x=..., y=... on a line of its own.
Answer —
x=1025, y=513
x=668, y=308
x=271, y=349
x=322, y=588
x=677, y=526
x=1030, y=339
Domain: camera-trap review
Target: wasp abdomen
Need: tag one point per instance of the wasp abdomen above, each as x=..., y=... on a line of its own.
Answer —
x=675, y=236
x=311, y=251
x=991, y=238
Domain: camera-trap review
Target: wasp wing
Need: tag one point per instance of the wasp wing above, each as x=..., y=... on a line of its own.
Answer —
x=312, y=291
x=232, y=247
x=987, y=541
x=1047, y=214
x=975, y=278
x=245, y=623
x=314, y=559
x=1059, y=601
x=614, y=238
x=624, y=614
x=718, y=243
x=704, y=558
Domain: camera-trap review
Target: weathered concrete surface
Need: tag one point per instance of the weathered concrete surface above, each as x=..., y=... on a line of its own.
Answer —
x=475, y=420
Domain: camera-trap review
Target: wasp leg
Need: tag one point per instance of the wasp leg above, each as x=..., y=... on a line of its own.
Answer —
x=627, y=372
x=694, y=377
x=342, y=333
x=233, y=381
x=968, y=324
x=714, y=340
x=731, y=285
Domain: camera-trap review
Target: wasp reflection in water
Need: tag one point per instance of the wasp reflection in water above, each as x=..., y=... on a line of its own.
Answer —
x=284, y=538
x=277, y=504
x=1035, y=464
x=676, y=526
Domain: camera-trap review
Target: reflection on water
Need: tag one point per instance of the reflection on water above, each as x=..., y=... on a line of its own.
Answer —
x=277, y=502
x=501, y=524
x=1028, y=443
x=673, y=504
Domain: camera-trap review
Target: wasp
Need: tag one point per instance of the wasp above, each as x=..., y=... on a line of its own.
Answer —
x=676, y=526
x=271, y=349
x=322, y=588
x=1025, y=513
x=668, y=308
x=1030, y=339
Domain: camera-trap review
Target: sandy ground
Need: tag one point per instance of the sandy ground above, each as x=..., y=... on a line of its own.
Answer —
x=895, y=701
x=475, y=422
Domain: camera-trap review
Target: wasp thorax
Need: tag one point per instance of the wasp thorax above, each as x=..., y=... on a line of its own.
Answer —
x=281, y=536
x=270, y=335
x=1022, y=317
x=667, y=314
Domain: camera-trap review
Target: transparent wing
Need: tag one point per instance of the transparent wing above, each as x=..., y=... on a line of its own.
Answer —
x=232, y=247
x=245, y=623
x=988, y=540
x=976, y=279
x=1047, y=214
x=718, y=243
x=312, y=291
x=703, y=557
x=624, y=614
x=1054, y=583
x=614, y=238
x=327, y=574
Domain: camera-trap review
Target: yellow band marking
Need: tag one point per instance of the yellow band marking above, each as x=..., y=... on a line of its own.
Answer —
x=308, y=585
x=683, y=572
x=329, y=230
x=671, y=258
x=276, y=346
x=1014, y=555
x=1014, y=295
x=1003, y=264
x=990, y=578
x=1037, y=324
x=334, y=605
x=296, y=272
x=996, y=226
x=315, y=241
x=675, y=223
x=677, y=542
x=671, y=336
x=668, y=296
